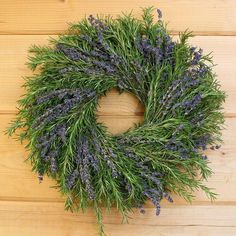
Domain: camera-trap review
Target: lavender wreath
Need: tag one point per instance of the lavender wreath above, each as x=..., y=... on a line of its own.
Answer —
x=173, y=80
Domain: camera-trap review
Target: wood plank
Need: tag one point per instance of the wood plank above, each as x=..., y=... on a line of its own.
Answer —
x=13, y=54
x=47, y=217
x=19, y=183
x=84, y=229
x=130, y=230
x=32, y=17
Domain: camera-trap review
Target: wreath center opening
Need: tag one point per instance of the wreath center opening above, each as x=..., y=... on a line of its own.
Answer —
x=119, y=111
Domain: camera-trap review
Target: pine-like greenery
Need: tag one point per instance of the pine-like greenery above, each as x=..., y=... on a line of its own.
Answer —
x=173, y=80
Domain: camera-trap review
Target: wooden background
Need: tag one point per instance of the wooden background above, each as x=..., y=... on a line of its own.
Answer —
x=28, y=208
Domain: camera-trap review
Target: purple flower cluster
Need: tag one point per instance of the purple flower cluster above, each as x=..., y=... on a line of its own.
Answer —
x=71, y=52
x=153, y=191
x=162, y=51
x=106, y=66
x=92, y=158
x=155, y=196
x=146, y=171
x=72, y=179
x=149, y=51
x=101, y=59
x=177, y=147
x=83, y=162
x=111, y=165
x=197, y=55
x=202, y=141
x=45, y=144
x=168, y=197
x=97, y=23
x=177, y=90
x=189, y=105
x=61, y=93
x=107, y=155
x=169, y=46
x=197, y=72
x=53, y=164
x=70, y=98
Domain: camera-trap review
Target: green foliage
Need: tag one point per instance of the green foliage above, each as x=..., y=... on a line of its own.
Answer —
x=175, y=83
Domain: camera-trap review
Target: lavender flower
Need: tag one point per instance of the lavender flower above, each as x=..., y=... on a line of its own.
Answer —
x=145, y=47
x=177, y=147
x=40, y=177
x=159, y=14
x=53, y=165
x=71, y=180
x=45, y=145
x=71, y=52
x=111, y=165
x=155, y=197
x=197, y=55
x=169, y=49
x=84, y=167
x=145, y=171
x=97, y=23
x=92, y=159
x=106, y=66
x=168, y=197
x=189, y=105
x=202, y=141
x=62, y=108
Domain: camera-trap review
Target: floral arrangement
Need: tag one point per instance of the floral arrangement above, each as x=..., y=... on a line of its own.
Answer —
x=162, y=155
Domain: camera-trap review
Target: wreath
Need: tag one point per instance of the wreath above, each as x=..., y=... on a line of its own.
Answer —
x=163, y=154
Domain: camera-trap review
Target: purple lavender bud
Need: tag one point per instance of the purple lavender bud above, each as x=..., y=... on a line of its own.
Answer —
x=40, y=177
x=159, y=14
x=71, y=180
x=112, y=166
x=196, y=57
x=53, y=165
x=168, y=197
x=97, y=23
x=158, y=209
x=71, y=52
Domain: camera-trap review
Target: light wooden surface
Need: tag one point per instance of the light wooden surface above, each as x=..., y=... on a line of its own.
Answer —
x=28, y=208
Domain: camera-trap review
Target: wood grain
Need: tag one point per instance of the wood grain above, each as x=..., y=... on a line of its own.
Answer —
x=13, y=56
x=30, y=218
x=32, y=17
